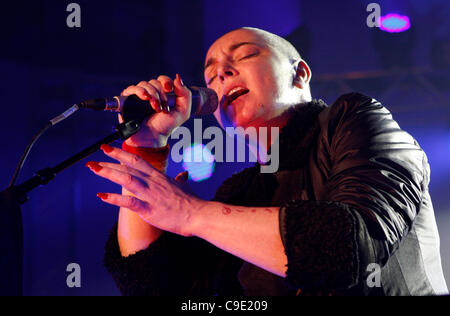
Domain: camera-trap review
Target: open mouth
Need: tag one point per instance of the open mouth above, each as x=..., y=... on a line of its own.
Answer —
x=234, y=94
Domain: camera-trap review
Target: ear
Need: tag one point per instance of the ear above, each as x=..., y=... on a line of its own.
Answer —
x=302, y=75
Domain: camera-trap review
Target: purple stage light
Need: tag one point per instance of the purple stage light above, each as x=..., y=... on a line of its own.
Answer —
x=394, y=23
x=199, y=162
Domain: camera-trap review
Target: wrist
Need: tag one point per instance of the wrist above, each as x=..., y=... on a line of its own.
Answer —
x=157, y=157
x=158, y=142
x=199, y=217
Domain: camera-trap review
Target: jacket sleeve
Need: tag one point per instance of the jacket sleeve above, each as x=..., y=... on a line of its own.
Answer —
x=171, y=265
x=368, y=188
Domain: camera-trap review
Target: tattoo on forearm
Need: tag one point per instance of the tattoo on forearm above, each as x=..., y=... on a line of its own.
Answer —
x=228, y=210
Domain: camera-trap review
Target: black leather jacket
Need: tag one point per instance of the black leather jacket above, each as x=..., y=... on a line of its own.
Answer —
x=356, y=217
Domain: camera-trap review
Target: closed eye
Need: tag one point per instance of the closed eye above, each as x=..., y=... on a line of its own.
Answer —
x=243, y=58
x=249, y=56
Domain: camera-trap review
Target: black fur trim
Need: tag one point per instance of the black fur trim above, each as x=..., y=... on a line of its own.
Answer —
x=297, y=138
x=300, y=134
x=320, y=243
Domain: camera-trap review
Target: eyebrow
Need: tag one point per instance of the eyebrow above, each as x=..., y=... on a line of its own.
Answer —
x=230, y=49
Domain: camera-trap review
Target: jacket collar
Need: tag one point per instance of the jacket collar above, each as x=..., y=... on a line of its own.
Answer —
x=298, y=136
x=296, y=140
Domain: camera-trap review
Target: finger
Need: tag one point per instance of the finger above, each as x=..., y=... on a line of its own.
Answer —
x=139, y=91
x=166, y=82
x=156, y=98
x=142, y=94
x=119, y=167
x=162, y=95
x=182, y=177
x=128, y=91
x=129, y=159
x=132, y=183
x=127, y=201
x=183, y=93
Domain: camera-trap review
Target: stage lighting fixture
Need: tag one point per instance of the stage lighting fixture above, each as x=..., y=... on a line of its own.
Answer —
x=394, y=41
x=199, y=162
x=394, y=23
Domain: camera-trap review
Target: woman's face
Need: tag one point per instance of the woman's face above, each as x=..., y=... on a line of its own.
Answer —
x=253, y=80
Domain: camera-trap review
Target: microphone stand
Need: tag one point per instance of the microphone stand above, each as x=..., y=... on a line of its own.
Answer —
x=11, y=228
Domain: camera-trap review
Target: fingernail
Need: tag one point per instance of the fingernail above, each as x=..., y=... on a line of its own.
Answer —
x=146, y=96
x=181, y=81
x=93, y=165
x=161, y=107
x=154, y=104
x=103, y=196
x=106, y=148
x=168, y=86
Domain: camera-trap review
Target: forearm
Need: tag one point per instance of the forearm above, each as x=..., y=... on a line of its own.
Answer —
x=133, y=233
x=251, y=233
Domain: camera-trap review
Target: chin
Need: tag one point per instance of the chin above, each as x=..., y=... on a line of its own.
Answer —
x=240, y=121
x=246, y=122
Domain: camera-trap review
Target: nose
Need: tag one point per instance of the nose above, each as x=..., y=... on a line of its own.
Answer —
x=226, y=71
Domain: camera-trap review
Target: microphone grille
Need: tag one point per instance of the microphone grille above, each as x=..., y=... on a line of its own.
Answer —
x=207, y=101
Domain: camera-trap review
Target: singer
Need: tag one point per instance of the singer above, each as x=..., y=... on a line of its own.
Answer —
x=347, y=213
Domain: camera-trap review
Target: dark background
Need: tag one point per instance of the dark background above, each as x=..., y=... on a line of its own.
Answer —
x=46, y=67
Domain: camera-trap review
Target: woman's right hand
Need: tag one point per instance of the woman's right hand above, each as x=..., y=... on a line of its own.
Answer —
x=156, y=130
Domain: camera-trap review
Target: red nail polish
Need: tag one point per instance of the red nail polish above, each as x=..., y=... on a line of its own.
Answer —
x=93, y=165
x=181, y=81
x=166, y=108
x=106, y=148
x=168, y=86
x=155, y=105
x=103, y=196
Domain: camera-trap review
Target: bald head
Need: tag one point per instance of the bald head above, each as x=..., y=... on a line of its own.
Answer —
x=276, y=42
x=267, y=66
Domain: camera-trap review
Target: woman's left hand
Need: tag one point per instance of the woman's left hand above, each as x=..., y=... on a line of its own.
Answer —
x=159, y=200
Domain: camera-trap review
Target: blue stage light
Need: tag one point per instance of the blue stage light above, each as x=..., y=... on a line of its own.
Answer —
x=199, y=162
x=394, y=23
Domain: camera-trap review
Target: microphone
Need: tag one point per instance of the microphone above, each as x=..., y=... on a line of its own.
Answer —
x=204, y=102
